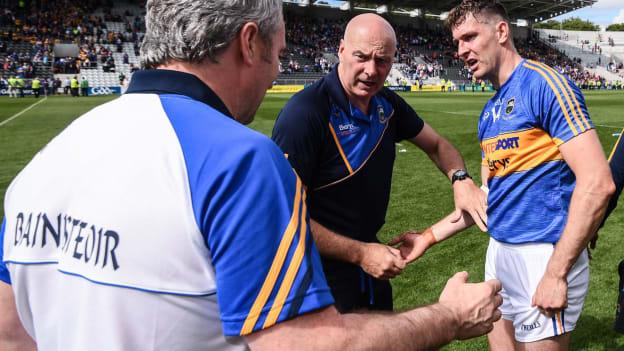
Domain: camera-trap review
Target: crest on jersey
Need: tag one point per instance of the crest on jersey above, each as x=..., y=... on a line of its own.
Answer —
x=511, y=103
x=381, y=114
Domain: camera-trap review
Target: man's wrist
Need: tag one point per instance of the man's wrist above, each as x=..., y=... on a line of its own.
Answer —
x=460, y=175
x=429, y=237
x=555, y=272
x=450, y=318
x=358, y=254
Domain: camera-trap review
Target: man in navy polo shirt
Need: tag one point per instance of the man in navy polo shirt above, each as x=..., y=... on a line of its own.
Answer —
x=339, y=135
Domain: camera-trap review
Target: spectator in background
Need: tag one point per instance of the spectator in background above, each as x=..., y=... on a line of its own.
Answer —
x=66, y=85
x=84, y=87
x=57, y=85
x=74, y=84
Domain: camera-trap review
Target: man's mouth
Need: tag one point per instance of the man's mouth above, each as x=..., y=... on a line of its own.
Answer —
x=473, y=64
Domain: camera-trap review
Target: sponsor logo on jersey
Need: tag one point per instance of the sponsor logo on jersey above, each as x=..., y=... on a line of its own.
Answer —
x=495, y=165
x=347, y=129
x=502, y=144
x=75, y=238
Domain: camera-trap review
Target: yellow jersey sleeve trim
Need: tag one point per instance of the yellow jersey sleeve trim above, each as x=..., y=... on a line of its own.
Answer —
x=584, y=124
x=276, y=265
x=566, y=92
x=342, y=154
x=554, y=89
x=616, y=145
x=578, y=105
x=291, y=273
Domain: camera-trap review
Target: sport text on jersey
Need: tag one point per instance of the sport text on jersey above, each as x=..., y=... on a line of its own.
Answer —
x=73, y=237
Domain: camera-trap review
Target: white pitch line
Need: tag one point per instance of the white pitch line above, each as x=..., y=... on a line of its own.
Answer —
x=606, y=126
x=21, y=112
x=464, y=113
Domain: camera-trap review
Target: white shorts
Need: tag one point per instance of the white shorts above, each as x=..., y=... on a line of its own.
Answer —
x=520, y=268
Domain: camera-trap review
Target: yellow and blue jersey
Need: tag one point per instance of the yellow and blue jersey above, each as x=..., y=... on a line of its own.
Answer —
x=520, y=131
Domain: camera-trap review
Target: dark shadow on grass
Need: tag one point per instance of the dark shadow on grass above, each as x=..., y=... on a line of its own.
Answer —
x=596, y=334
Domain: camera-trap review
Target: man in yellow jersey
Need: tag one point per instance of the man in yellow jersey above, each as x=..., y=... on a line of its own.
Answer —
x=36, y=87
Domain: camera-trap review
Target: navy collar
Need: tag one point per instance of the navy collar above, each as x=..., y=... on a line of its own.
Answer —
x=336, y=92
x=162, y=81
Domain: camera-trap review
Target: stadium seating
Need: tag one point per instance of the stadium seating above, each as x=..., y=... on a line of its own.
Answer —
x=113, y=28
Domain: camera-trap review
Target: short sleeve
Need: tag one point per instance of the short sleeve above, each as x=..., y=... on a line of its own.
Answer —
x=4, y=272
x=250, y=208
x=300, y=133
x=267, y=267
x=559, y=105
x=409, y=124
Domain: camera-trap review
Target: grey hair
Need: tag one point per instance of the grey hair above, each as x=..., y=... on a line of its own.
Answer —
x=194, y=30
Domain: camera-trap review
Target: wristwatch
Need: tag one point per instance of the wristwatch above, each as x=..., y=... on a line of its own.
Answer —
x=460, y=174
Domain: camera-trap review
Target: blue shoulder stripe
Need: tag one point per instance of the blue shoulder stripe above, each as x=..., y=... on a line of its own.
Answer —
x=4, y=272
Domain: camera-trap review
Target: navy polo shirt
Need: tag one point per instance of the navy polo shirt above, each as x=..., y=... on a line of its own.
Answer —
x=343, y=156
x=616, y=162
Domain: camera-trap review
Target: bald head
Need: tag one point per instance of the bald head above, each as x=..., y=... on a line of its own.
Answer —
x=366, y=54
x=370, y=28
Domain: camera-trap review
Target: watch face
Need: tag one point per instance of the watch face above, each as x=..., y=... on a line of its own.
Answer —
x=460, y=174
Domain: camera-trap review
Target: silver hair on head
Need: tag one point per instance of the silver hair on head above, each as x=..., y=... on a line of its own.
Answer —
x=194, y=30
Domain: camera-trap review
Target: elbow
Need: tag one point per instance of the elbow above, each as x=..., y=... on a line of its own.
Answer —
x=610, y=189
x=599, y=188
x=603, y=188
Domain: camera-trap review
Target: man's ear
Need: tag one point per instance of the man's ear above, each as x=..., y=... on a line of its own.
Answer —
x=502, y=30
x=249, y=37
x=341, y=47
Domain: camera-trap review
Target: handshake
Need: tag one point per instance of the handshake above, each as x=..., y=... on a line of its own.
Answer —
x=473, y=306
x=387, y=261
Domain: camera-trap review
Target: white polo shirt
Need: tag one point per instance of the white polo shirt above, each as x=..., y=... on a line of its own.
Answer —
x=158, y=222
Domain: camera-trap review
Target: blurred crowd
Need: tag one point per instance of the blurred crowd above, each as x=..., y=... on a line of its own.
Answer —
x=28, y=36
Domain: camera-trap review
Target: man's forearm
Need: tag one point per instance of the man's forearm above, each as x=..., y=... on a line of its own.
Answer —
x=423, y=328
x=586, y=211
x=447, y=158
x=334, y=245
x=446, y=228
x=443, y=154
x=13, y=336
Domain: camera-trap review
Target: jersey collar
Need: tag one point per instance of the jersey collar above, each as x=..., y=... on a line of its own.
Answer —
x=162, y=81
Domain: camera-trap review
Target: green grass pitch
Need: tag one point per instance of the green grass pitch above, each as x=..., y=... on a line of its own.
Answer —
x=420, y=195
